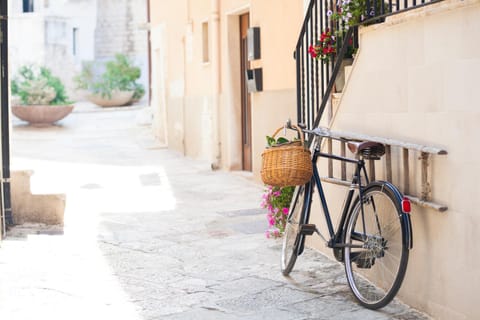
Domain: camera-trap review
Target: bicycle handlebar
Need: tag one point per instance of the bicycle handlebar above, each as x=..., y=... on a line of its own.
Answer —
x=320, y=131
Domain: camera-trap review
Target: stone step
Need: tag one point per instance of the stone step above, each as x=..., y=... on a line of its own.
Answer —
x=336, y=97
x=34, y=208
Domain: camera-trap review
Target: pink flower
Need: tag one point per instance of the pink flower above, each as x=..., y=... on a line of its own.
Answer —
x=267, y=234
x=277, y=193
x=271, y=220
x=285, y=211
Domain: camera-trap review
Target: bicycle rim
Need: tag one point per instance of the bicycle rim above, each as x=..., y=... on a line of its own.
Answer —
x=292, y=237
x=375, y=256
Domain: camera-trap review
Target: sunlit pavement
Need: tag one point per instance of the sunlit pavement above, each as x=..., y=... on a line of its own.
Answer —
x=150, y=234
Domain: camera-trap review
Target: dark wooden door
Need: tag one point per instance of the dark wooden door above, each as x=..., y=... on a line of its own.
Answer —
x=246, y=101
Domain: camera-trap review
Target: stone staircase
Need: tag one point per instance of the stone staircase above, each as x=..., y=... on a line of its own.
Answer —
x=336, y=98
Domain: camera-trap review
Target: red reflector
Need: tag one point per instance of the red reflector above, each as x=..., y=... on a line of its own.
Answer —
x=406, y=205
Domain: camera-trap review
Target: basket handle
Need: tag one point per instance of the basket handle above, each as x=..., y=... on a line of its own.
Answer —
x=293, y=127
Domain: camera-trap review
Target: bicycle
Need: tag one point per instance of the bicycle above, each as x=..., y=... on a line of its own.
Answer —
x=374, y=233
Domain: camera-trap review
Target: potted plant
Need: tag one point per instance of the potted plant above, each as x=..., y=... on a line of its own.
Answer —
x=116, y=86
x=38, y=96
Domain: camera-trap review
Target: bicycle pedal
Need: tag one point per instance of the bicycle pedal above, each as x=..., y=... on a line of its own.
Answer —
x=308, y=229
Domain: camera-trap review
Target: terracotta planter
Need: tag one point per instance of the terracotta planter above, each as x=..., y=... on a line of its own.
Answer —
x=41, y=115
x=118, y=98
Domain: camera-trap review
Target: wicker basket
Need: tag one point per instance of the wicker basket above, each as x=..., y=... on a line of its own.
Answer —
x=287, y=164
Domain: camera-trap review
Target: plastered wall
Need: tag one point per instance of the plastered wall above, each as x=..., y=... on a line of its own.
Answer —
x=185, y=96
x=415, y=79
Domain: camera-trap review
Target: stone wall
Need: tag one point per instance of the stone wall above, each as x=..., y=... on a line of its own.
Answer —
x=102, y=28
x=121, y=28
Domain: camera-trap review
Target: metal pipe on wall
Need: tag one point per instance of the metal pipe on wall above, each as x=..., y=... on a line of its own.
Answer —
x=215, y=65
x=5, y=116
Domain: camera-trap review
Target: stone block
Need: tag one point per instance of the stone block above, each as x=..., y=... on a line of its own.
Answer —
x=34, y=208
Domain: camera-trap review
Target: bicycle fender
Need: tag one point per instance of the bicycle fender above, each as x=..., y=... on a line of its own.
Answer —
x=404, y=217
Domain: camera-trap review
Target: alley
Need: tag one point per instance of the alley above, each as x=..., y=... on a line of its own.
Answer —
x=150, y=234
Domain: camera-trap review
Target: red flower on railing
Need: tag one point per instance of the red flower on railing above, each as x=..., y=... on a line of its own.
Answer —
x=325, y=48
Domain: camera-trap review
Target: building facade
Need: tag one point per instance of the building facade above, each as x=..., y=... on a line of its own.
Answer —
x=407, y=83
x=201, y=104
x=63, y=34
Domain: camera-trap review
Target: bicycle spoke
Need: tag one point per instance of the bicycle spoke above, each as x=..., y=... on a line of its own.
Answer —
x=292, y=236
x=372, y=273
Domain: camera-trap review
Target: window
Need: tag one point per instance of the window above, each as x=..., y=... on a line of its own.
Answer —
x=74, y=41
x=205, y=43
x=27, y=5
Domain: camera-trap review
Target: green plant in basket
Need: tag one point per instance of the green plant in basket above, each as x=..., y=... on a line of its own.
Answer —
x=275, y=142
x=272, y=142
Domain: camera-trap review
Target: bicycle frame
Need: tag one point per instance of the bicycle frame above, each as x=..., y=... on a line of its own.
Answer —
x=336, y=237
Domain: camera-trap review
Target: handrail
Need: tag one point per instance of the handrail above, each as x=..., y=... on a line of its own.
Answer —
x=315, y=80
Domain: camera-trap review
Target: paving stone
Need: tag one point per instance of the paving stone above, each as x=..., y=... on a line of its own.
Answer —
x=152, y=235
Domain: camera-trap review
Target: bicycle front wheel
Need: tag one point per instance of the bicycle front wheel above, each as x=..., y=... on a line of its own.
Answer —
x=376, y=256
x=292, y=238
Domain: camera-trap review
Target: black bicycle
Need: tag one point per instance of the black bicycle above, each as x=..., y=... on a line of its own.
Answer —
x=374, y=233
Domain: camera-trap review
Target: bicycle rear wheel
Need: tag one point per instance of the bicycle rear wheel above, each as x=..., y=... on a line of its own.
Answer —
x=376, y=256
x=292, y=238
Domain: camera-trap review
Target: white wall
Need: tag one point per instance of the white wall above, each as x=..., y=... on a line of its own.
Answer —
x=103, y=28
x=48, y=33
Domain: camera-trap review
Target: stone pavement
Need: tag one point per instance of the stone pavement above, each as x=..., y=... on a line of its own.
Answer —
x=150, y=234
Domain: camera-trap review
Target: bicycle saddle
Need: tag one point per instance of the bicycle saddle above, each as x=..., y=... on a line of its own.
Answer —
x=367, y=149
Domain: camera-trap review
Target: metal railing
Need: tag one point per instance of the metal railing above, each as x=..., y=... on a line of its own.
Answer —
x=316, y=79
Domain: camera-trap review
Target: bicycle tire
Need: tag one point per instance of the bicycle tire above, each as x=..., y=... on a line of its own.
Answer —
x=375, y=271
x=292, y=238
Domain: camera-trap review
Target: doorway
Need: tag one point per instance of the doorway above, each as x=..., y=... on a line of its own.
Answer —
x=246, y=104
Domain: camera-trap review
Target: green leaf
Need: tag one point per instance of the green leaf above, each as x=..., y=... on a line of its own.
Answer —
x=282, y=140
x=270, y=141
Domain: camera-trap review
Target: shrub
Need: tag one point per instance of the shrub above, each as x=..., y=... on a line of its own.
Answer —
x=120, y=74
x=38, y=86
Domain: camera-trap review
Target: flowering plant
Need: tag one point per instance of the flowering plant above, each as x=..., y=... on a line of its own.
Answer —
x=277, y=201
x=349, y=13
x=325, y=48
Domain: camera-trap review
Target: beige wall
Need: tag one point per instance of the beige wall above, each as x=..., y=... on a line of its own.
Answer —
x=185, y=98
x=168, y=70
x=416, y=79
